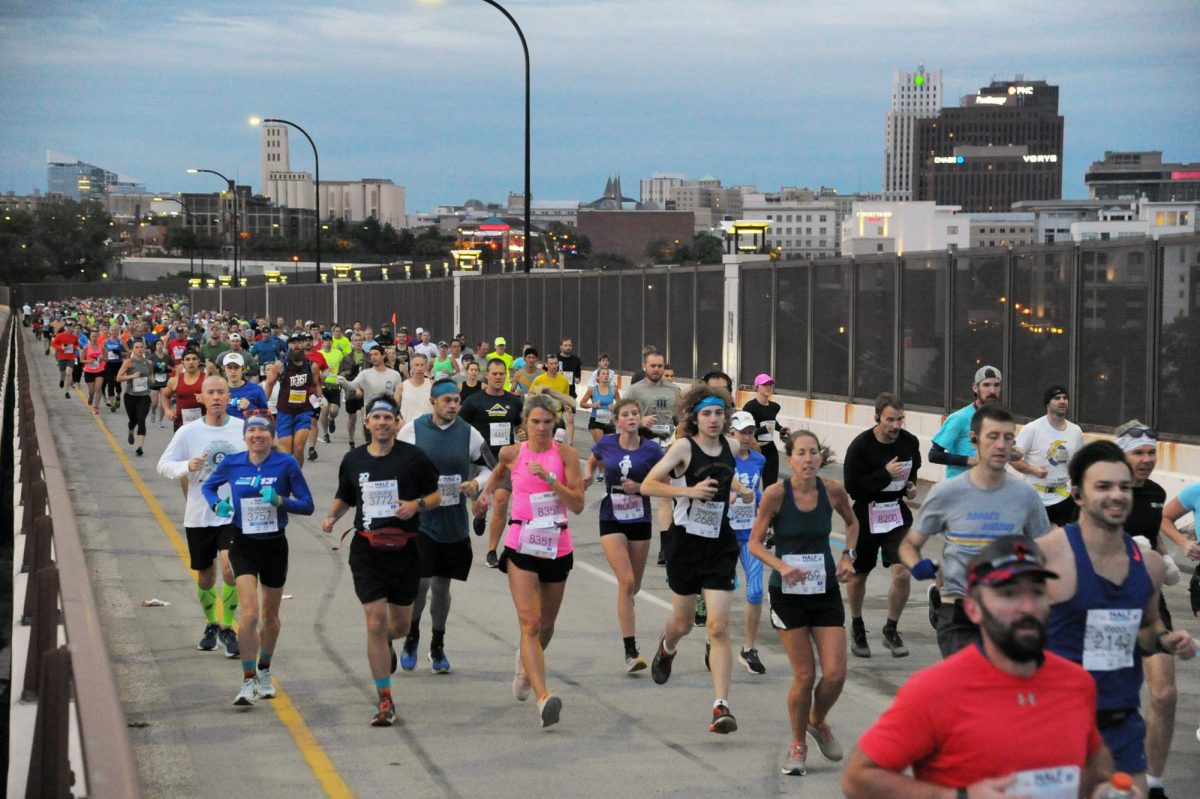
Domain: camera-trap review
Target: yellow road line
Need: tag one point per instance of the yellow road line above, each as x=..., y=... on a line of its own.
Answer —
x=322, y=766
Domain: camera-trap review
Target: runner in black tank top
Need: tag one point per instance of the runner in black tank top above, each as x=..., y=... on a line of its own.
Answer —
x=701, y=549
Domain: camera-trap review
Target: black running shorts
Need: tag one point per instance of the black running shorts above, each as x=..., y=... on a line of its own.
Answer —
x=203, y=543
x=438, y=559
x=265, y=558
x=379, y=574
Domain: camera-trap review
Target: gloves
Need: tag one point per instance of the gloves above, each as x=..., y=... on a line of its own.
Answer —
x=924, y=569
x=271, y=495
x=224, y=509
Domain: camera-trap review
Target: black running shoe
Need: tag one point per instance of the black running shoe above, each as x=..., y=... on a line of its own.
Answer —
x=858, y=642
x=493, y=562
x=660, y=667
x=892, y=640
x=479, y=525
x=326, y=439
x=935, y=603
x=312, y=453
x=332, y=425
x=131, y=436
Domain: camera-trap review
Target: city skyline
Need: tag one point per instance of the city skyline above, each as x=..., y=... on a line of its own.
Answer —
x=782, y=94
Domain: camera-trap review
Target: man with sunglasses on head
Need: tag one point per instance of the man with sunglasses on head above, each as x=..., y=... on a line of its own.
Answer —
x=1045, y=447
x=1003, y=717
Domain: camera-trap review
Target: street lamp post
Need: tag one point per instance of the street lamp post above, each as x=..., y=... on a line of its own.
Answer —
x=187, y=215
x=233, y=190
x=316, y=177
x=525, y=49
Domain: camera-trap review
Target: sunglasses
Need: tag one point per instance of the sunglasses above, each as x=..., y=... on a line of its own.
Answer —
x=1139, y=432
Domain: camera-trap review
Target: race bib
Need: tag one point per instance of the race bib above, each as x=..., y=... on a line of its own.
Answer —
x=540, y=542
x=450, y=485
x=813, y=581
x=296, y=396
x=1059, y=782
x=161, y=377
x=93, y=364
x=547, y=510
x=884, y=516
x=191, y=414
x=1110, y=637
x=380, y=499
x=627, y=507
x=704, y=518
x=767, y=434
x=140, y=385
x=68, y=349
x=570, y=378
x=662, y=429
x=499, y=434
x=604, y=415
x=741, y=514
x=901, y=482
x=259, y=517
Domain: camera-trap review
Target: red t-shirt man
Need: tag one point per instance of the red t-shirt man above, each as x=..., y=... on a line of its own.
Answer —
x=965, y=720
x=66, y=345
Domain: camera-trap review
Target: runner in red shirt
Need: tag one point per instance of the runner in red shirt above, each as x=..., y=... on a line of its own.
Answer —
x=1002, y=717
x=312, y=351
x=66, y=344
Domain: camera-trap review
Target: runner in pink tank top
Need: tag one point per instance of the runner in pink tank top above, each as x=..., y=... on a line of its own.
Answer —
x=546, y=484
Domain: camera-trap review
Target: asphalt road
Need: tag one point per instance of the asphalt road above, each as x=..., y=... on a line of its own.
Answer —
x=461, y=734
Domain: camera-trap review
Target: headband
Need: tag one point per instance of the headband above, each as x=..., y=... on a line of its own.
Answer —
x=1129, y=443
x=441, y=389
x=260, y=421
x=708, y=402
x=382, y=406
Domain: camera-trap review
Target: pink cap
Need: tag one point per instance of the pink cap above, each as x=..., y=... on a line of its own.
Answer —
x=762, y=379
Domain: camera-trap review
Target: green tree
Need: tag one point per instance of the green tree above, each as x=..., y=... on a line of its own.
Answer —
x=708, y=249
x=68, y=240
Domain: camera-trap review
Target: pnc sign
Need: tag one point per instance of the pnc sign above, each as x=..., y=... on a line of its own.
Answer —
x=1020, y=90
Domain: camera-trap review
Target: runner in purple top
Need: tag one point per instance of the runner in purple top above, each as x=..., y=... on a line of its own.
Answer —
x=625, y=522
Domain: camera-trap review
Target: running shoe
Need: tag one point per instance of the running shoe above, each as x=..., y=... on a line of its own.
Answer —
x=332, y=427
x=229, y=642
x=549, y=710
x=139, y=452
x=701, y=611
x=131, y=436
x=662, y=558
x=634, y=662
x=61, y=384
x=707, y=652
x=312, y=453
x=858, y=641
x=749, y=659
x=723, y=721
x=392, y=649
x=95, y=409
x=248, y=693
x=67, y=394
x=437, y=657
x=520, y=682
x=660, y=667
x=385, y=716
x=479, y=525
x=793, y=764
x=829, y=746
x=1156, y=792
x=208, y=641
x=935, y=604
x=493, y=561
x=266, y=688
x=326, y=439
x=408, y=653
x=893, y=641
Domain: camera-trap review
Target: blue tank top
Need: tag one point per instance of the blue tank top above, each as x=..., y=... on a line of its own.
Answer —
x=602, y=401
x=1093, y=628
x=805, y=532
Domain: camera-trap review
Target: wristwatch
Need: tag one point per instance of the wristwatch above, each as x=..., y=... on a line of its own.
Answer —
x=853, y=553
x=421, y=503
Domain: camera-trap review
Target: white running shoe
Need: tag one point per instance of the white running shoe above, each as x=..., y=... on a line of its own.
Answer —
x=266, y=688
x=249, y=692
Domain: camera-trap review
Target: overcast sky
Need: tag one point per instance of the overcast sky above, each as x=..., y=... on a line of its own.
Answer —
x=768, y=92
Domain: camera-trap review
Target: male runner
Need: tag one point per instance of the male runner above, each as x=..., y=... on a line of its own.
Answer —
x=881, y=473
x=371, y=381
x=412, y=395
x=570, y=363
x=66, y=345
x=1046, y=445
x=656, y=398
x=195, y=451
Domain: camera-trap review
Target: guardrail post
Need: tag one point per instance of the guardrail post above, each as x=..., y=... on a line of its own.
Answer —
x=31, y=472
x=37, y=552
x=34, y=502
x=49, y=766
x=43, y=635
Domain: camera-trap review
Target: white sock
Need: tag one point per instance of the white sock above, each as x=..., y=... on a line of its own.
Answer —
x=720, y=702
x=1153, y=782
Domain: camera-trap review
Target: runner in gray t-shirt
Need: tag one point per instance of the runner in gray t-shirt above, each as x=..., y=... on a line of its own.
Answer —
x=971, y=511
x=374, y=381
x=656, y=399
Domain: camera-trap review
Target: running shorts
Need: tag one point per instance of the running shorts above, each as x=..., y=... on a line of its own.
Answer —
x=265, y=558
x=440, y=559
x=394, y=576
x=203, y=543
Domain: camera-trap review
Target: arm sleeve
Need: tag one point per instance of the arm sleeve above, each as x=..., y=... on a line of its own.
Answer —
x=938, y=454
x=300, y=502
x=170, y=464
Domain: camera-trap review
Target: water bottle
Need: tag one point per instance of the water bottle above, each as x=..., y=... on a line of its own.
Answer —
x=1119, y=787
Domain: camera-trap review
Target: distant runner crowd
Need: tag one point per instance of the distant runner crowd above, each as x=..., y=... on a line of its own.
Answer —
x=1047, y=598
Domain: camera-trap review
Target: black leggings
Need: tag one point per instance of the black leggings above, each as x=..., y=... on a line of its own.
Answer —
x=136, y=407
x=111, y=387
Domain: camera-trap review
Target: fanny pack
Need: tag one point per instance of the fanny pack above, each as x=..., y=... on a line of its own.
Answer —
x=392, y=539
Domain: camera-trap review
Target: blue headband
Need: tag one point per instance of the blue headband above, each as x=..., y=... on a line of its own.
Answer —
x=708, y=402
x=441, y=389
x=382, y=406
x=260, y=421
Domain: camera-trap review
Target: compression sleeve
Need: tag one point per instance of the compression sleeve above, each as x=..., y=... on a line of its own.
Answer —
x=938, y=454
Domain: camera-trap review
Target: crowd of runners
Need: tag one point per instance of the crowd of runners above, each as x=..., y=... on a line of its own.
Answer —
x=1047, y=598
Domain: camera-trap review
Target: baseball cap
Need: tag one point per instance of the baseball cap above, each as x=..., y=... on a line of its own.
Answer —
x=499, y=341
x=443, y=344
x=742, y=419
x=310, y=323
x=1053, y=391
x=327, y=336
x=297, y=336
x=233, y=358
x=987, y=373
x=1005, y=559
x=232, y=336
x=420, y=330
x=403, y=329
x=763, y=379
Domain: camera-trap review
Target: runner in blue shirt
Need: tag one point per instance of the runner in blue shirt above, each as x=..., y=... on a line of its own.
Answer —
x=750, y=465
x=244, y=398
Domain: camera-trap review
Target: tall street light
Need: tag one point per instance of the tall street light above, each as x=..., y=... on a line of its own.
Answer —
x=525, y=49
x=187, y=214
x=316, y=176
x=236, y=232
